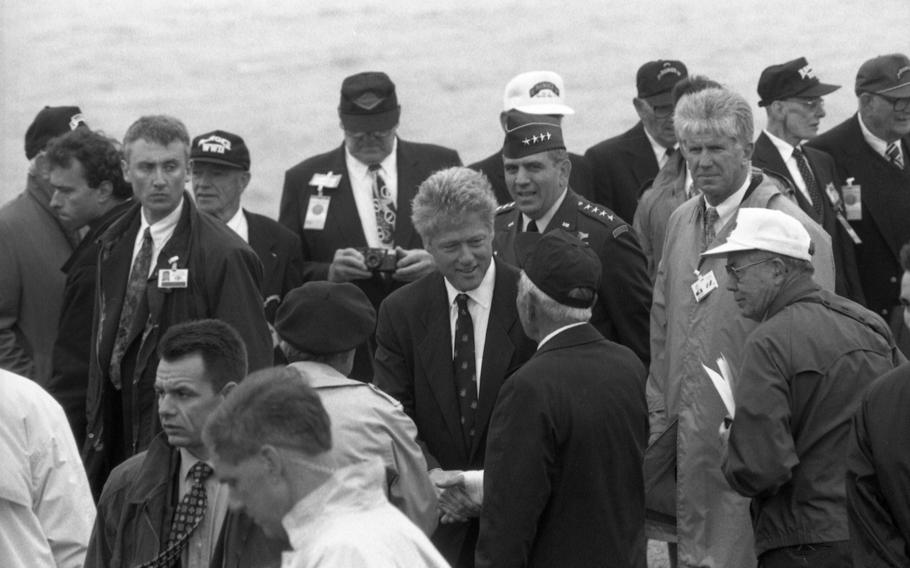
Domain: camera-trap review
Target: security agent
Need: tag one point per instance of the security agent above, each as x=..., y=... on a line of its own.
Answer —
x=320, y=325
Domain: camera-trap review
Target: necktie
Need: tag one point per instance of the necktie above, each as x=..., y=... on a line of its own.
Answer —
x=668, y=155
x=532, y=227
x=135, y=288
x=187, y=516
x=465, y=367
x=711, y=218
x=811, y=185
x=894, y=155
x=383, y=207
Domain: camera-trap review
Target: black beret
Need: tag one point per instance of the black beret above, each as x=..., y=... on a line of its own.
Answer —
x=325, y=317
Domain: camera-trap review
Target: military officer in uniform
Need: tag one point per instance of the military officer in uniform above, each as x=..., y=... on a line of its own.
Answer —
x=537, y=174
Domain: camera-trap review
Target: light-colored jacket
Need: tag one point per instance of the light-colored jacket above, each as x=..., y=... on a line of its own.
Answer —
x=713, y=523
x=368, y=424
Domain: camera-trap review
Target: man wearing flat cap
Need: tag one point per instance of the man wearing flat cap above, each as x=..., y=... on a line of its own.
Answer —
x=447, y=342
x=220, y=165
x=563, y=483
x=535, y=92
x=320, y=325
x=795, y=391
x=792, y=96
x=622, y=165
x=537, y=172
x=351, y=206
x=34, y=244
x=872, y=153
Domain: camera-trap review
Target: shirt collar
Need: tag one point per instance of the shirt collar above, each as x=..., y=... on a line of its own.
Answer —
x=483, y=294
x=728, y=206
x=659, y=151
x=784, y=147
x=877, y=143
x=555, y=332
x=163, y=228
x=187, y=461
x=358, y=169
x=545, y=219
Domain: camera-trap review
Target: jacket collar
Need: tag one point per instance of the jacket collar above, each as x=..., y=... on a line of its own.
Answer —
x=156, y=472
x=792, y=292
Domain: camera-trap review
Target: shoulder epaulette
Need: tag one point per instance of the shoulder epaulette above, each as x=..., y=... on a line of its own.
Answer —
x=505, y=207
x=599, y=212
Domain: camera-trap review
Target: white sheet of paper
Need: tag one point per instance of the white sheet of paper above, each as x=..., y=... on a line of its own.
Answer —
x=722, y=384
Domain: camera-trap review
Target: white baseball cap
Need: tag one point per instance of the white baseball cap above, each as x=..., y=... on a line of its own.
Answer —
x=536, y=92
x=769, y=230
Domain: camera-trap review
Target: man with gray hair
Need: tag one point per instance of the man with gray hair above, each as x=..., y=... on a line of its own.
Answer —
x=447, y=342
x=271, y=444
x=563, y=483
x=694, y=320
x=160, y=264
x=795, y=392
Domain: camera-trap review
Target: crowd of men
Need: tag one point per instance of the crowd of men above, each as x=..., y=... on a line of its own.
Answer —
x=689, y=334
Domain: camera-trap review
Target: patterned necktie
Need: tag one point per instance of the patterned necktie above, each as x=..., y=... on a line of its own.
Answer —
x=894, y=156
x=811, y=185
x=711, y=218
x=532, y=227
x=383, y=207
x=135, y=288
x=465, y=368
x=187, y=516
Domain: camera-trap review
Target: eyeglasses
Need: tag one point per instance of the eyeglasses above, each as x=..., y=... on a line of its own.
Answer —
x=735, y=272
x=898, y=104
x=376, y=134
x=812, y=104
x=661, y=111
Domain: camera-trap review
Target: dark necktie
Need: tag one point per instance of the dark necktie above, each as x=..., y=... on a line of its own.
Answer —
x=465, y=368
x=135, y=288
x=532, y=227
x=187, y=516
x=811, y=185
x=711, y=218
x=668, y=155
x=894, y=156
x=383, y=207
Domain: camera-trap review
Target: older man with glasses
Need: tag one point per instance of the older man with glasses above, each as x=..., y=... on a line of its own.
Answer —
x=792, y=94
x=351, y=206
x=803, y=372
x=872, y=153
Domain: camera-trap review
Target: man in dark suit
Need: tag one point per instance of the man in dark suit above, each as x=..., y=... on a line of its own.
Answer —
x=359, y=195
x=220, y=163
x=89, y=191
x=447, y=342
x=564, y=483
x=872, y=150
x=144, y=505
x=622, y=165
x=535, y=92
x=792, y=96
x=162, y=263
x=537, y=173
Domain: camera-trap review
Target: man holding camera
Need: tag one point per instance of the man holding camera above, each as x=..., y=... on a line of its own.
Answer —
x=351, y=206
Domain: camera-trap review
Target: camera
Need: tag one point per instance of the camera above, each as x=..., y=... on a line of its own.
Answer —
x=379, y=259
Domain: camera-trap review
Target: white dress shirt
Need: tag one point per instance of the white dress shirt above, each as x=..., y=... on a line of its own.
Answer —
x=201, y=544
x=660, y=152
x=785, y=149
x=362, y=186
x=239, y=225
x=162, y=231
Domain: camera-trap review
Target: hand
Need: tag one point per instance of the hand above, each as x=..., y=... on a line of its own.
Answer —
x=348, y=265
x=459, y=499
x=413, y=264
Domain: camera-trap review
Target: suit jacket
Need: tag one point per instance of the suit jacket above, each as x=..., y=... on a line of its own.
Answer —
x=846, y=276
x=136, y=510
x=563, y=484
x=278, y=249
x=885, y=209
x=414, y=364
x=622, y=311
x=342, y=226
x=621, y=166
x=581, y=179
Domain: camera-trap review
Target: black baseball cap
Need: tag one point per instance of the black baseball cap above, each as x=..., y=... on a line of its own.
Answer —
x=791, y=79
x=368, y=102
x=655, y=80
x=221, y=147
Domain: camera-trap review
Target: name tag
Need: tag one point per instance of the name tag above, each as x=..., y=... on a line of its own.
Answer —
x=853, y=201
x=705, y=284
x=316, y=212
x=173, y=278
